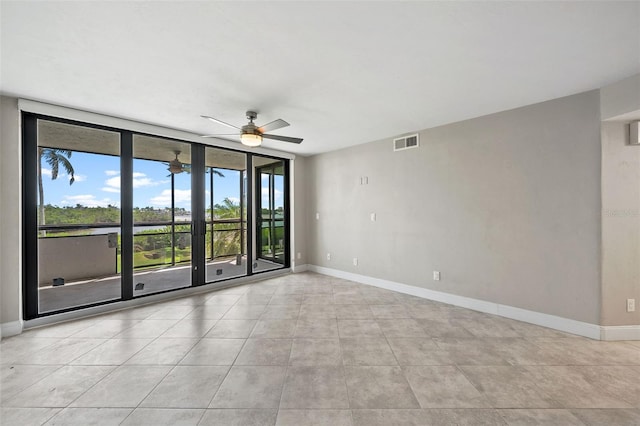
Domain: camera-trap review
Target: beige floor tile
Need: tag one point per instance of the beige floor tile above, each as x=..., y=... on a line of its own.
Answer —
x=112, y=352
x=62, y=352
x=163, y=351
x=250, y=387
x=318, y=298
x=163, y=417
x=223, y=299
x=187, y=387
x=190, y=328
x=59, y=388
x=106, y=329
x=172, y=312
x=14, y=349
x=418, y=351
x=16, y=378
x=213, y=352
x=359, y=328
x=232, y=329
x=311, y=387
x=310, y=352
x=508, y=387
x=444, y=328
x=89, y=416
x=265, y=352
x=317, y=311
x=239, y=417
x=389, y=311
x=401, y=327
x=286, y=299
x=245, y=312
x=126, y=386
x=388, y=417
x=443, y=387
x=274, y=329
x=569, y=387
x=314, y=418
x=65, y=329
x=254, y=299
x=379, y=387
x=367, y=351
x=471, y=351
x=546, y=417
x=602, y=417
x=348, y=298
x=26, y=416
x=353, y=312
x=147, y=329
x=316, y=329
x=273, y=311
x=210, y=312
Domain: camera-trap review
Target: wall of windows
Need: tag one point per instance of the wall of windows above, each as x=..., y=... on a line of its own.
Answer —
x=113, y=215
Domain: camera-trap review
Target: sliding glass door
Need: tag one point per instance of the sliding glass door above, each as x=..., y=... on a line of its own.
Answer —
x=271, y=235
x=161, y=214
x=112, y=215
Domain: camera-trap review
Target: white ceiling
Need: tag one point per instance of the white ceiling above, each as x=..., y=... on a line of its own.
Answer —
x=342, y=73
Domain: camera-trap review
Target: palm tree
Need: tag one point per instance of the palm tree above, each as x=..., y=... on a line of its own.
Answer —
x=54, y=157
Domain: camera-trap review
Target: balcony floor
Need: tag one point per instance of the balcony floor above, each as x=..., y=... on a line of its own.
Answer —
x=87, y=292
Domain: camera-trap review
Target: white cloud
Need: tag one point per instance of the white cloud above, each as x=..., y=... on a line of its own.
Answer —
x=111, y=172
x=182, y=196
x=80, y=178
x=140, y=180
x=46, y=172
x=88, y=200
x=234, y=200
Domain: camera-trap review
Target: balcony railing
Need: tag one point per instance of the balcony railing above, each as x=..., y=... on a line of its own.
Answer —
x=89, y=251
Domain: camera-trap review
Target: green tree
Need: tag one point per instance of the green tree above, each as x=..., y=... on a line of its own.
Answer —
x=55, y=158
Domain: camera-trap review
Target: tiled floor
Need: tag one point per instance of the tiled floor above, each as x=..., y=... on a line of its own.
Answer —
x=307, y=349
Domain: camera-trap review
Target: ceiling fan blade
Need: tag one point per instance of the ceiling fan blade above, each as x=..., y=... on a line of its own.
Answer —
x=222, y=134
x=283, y=138
x=275, y=124
x=215, y=120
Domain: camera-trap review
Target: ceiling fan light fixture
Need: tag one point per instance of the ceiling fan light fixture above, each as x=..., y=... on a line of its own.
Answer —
x=251, y=139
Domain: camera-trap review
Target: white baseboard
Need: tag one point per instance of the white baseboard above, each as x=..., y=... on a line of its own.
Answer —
x=300, y=268
x=567, y=325
x=10, y=328
x=620, y=332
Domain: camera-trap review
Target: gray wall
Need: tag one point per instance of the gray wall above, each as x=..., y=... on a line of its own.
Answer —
x=506, y=207
x=299, y=212
x=10, y=212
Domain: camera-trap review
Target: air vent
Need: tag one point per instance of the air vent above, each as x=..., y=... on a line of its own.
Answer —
x=405, y=142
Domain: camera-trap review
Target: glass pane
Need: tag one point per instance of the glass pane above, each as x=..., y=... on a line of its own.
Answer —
x=161, y=214
x=270, y=214
x=225, y=213
x=78, y=216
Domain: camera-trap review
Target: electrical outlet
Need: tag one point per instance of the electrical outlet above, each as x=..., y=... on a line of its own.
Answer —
x=355, y=261
x=436, y=275
x=328, y=256
x=317, y=216
x=631, y=305
x=373, y=217
x=299, y=255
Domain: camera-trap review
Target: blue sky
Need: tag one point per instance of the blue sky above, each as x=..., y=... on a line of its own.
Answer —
x=97, y=183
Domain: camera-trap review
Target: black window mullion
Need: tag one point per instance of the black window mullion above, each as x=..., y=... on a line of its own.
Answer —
x=126, y=214
x=198, y=218
x=250, y=213
x=30, y=216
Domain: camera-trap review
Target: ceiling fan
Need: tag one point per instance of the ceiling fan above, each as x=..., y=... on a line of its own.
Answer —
x=175, y=165
x=252, y=135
